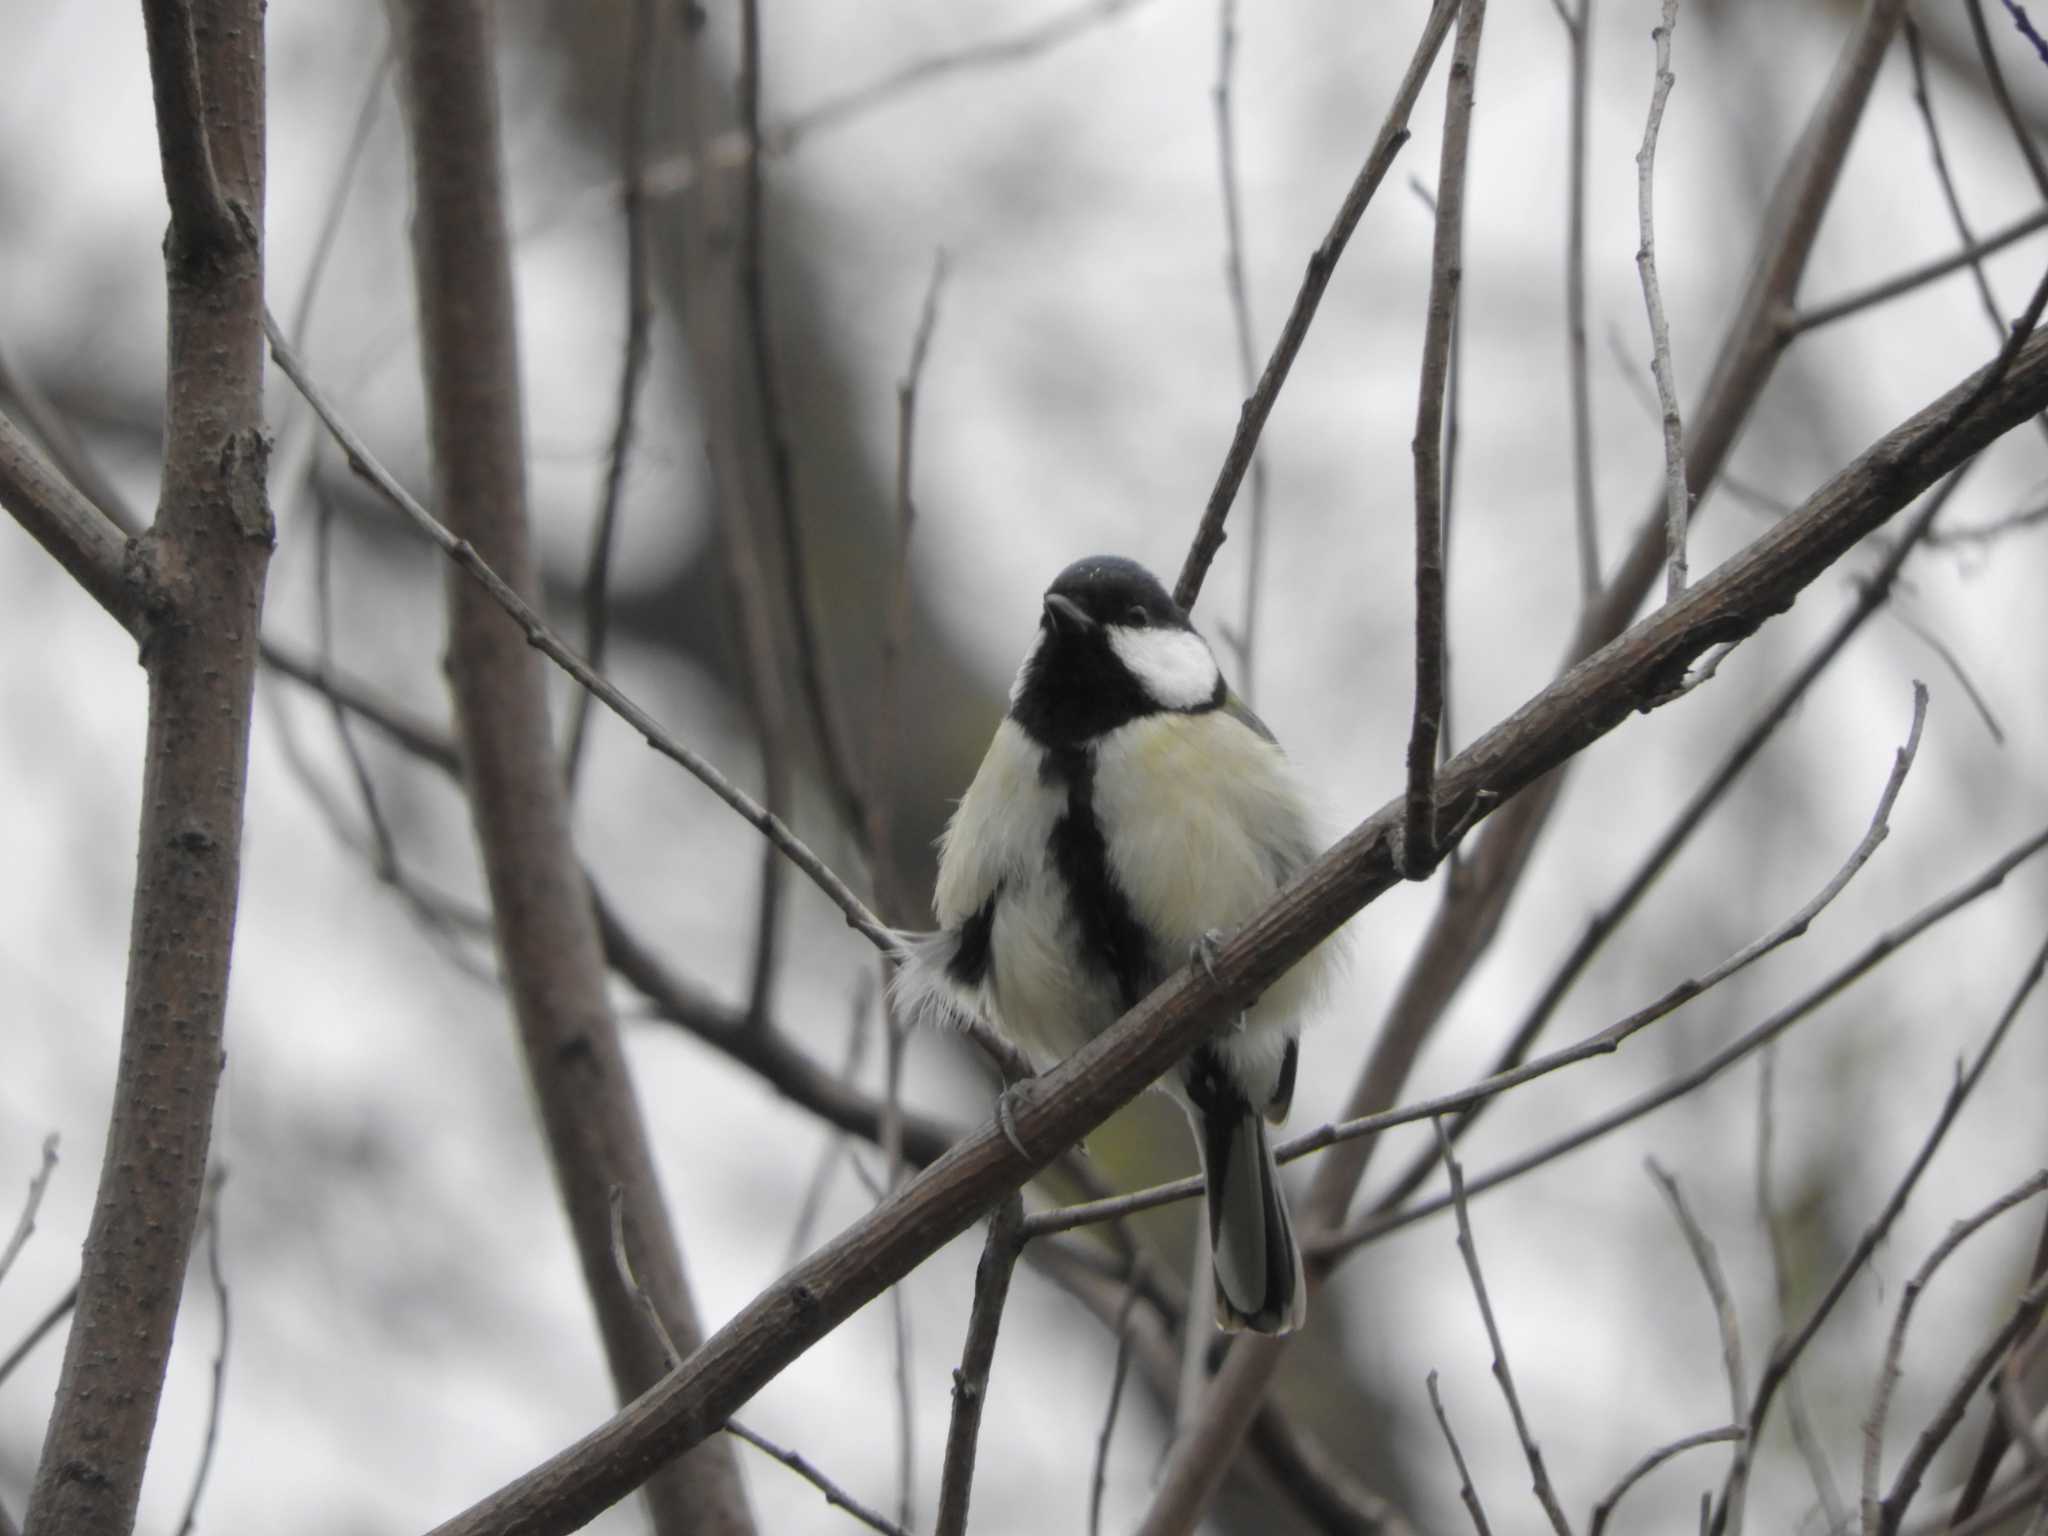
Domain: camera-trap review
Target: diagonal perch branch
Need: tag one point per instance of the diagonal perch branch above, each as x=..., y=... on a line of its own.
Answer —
x=1053, y=1110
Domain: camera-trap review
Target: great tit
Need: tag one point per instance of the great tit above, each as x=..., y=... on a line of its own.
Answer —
x=1129, y=809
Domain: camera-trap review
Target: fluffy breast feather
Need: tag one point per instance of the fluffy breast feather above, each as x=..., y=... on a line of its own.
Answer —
x=1205, y=820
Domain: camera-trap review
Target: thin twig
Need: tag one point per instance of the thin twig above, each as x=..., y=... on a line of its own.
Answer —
x=1875, y=1517
x=835, y=1145
x=1786, y=1351
x=1924, y=102
x=1883, y=947
x=1651, y=1463
x=1709, y=1265
x=622, y=1261
x=1994, y=73
x=1026, y=43
x=1466, y=1491
x=1545, y=1494
x=59, y=1310
x=26, y=1224
x=882, y=749
x=65, y=448
x=1988, y=532
x=1602, y=1042
x=1797, y=1418
x=1446, y=274
x=220, y=1354
x=1954, y=664
x=1870, y=596
x=1098, y=1480
x=970, y=1381
x=826, y=724
x=642, y=55
x=1730, y=1327
x=1676, y=501
x=1251, y=419
x=544, y=639
x=1245, y=636
x=835, y=1495
x=1972, y=254
x=1578, y=33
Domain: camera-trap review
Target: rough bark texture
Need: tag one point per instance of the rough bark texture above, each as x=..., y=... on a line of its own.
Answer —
x=201, y=571
x=547, y=934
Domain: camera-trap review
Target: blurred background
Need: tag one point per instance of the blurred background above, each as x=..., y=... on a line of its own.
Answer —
x=408, y=1325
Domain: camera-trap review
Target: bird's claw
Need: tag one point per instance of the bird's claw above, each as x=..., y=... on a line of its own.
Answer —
x=1007, y=1124
x=1205, y=950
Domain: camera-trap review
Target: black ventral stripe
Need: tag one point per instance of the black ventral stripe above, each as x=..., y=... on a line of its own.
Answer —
x=1112, y=938
x=969, y=965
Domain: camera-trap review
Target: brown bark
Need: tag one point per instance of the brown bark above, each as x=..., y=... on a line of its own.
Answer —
x=201, y=570
x=546, y=930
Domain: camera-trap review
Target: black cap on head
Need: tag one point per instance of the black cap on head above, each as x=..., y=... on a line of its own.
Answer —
x=1108, y=588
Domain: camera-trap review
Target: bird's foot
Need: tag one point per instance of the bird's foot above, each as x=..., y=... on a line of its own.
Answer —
x=1203, y=952
x=1006, y=1121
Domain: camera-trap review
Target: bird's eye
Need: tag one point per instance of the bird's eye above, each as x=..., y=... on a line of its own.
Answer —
x=1137, y=617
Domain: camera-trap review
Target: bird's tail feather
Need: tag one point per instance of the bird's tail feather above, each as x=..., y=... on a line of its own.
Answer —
x=1259, y=1281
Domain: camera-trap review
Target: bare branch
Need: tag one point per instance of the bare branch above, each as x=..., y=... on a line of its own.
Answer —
x=75, y=532
x=65, y=448
x=1245, y=641
x=202, y=224
x=1871, y=594
x=826, y=723
x=1251, y=419
x=220, y=1354
x=1875, y=1517
x=1677, y=506
x=836, y=1496
x=543, y=915
x=1578, y=32
x=1885, y=945
x=545, y=640
x=59, y=1310
x=1709, y=1265
x=203, y=565
x=1602, y=1042
x=1051, y=1111
x=1971, y=255
x=1650, y=1463
x=1099, y=1478
x=642, y=54
x=1026, y=43
x=881, y=770
x=25, y=1226
x=1545, y=1494
x=1796, y=1416
x=970, y=1381
x=1786, y=1351
x=1446, y=274
x=1466, y=1491
x=1949, y=659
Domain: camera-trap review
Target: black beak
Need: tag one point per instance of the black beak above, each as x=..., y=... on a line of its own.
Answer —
x=1066, y=615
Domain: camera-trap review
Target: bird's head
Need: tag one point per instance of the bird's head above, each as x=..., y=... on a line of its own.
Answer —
x=1112, y=646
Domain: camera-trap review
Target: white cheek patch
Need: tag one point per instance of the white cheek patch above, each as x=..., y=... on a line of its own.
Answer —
x=1172, y=665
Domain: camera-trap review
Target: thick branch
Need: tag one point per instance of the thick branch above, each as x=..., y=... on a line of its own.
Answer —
x=1051, y=1111
x=204, y=563
x=546, y=929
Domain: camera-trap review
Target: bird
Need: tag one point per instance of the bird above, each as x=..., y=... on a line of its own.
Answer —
x=1129, y=812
